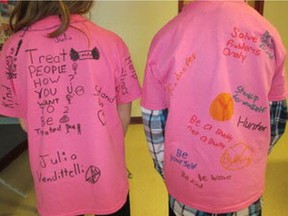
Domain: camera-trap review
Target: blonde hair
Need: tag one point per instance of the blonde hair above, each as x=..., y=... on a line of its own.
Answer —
x=28, y=12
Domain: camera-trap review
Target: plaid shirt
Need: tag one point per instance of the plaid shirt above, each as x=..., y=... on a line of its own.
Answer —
x=154, y=125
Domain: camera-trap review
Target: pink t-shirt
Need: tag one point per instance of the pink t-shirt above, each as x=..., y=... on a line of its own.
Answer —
x=67, y=88
x=215, y=67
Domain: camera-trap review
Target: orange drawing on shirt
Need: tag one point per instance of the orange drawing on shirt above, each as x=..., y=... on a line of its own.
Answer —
x=237, y=157
x=179, y=74
x=222, y=107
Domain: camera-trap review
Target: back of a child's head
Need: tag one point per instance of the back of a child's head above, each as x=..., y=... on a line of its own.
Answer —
x=28, y=12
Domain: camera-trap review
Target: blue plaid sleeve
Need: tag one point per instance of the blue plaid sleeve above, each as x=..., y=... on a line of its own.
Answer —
x=154, y=122
x=278, y=118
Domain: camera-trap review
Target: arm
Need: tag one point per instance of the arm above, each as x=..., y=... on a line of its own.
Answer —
x=278, y=118
x=154, y=122
x=22, y=124
x=124, y=111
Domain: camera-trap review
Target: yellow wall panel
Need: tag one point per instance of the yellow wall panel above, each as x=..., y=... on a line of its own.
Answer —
x=136, y=22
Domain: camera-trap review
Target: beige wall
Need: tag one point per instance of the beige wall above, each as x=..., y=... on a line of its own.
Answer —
x=277, y=13
x=136, y=22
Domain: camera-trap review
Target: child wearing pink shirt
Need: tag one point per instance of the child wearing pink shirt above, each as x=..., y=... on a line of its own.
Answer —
x=214, y=92
x=72, y=83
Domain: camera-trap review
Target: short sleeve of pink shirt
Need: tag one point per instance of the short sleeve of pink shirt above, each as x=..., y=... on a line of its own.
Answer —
x=67, y=89
x=154, y=97
x=10, y=101
x=215, y=67
x=127, y=79
x=279, y=83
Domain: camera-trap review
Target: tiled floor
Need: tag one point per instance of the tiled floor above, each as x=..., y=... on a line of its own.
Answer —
x=148, y=196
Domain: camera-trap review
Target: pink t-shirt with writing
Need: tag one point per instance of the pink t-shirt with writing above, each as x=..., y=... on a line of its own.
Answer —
x=215, y=67
x=67, y=89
